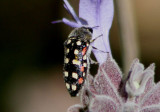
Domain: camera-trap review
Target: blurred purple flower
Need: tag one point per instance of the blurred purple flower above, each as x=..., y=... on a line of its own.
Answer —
x=93, y=13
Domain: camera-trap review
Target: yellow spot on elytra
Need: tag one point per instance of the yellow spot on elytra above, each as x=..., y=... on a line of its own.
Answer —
x=78, y=43
x=85, y=64
x=75, y=75
x=66, y=74
x=76, y=51
x=84, y=57
x=84, y=74
x=76, y=57
x=74, y=87
x=68, y=86
x=69, y=41
x=67, y=50
x=76, y=62
x=66, y=60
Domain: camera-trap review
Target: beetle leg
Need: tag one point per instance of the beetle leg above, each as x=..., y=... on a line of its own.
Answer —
x=98, y=49
x=96, y=38
x=92, y=61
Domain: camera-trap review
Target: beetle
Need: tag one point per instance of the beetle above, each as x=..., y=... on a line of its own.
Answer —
x=77, y=51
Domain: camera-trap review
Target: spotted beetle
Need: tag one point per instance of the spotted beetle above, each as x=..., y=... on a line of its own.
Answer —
x=77, y=50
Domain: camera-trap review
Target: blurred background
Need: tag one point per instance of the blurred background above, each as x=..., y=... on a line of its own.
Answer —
x=31, y=51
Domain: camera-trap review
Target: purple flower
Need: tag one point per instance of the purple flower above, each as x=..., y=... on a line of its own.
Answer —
x=138, y=79
x=93, y=13
x=109, y=91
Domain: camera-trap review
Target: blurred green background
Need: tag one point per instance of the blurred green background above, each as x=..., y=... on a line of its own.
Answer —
x=31, y=51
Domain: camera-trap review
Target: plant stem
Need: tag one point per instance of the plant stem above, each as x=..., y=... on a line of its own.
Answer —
x=127, y=26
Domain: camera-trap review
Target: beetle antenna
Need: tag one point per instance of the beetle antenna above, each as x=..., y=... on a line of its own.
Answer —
x=94, y=27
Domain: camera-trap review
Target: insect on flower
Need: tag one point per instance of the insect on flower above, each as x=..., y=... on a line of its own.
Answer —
x=77, y=52
x=76, y=59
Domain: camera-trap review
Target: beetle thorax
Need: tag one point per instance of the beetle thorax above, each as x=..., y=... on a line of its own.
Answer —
x=81, y=33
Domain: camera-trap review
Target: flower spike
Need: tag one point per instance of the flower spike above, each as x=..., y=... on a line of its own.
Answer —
x=93, y=13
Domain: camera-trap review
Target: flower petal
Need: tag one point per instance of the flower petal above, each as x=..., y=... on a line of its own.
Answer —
x=137, y=79
x=90, y=84
x=152, y=97
x=71, y=11
x=67, y=22
x=152, y=108
x=75, y=108
x=149, y=83
x=136, y=72
x=85, y=96
x=151, y=67
x=70, y=23
x=88, y=90
x=148, y=87
x=98, y=13
x=130, y=107
x=103, y=104
x=112, y=70
x=131, y=88
x=104, y=86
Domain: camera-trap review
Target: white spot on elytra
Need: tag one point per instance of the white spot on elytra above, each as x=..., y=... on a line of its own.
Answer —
x=75, y=75
x=76, y=51
x=67, y=50
x=66, y=60
x=84, y=74
x=69, y=41
x=68, y=86
x=76, y=62
x=78, y=42
x=84, y=57
x=85, y=64
x=66, y=74
x=74, y=87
